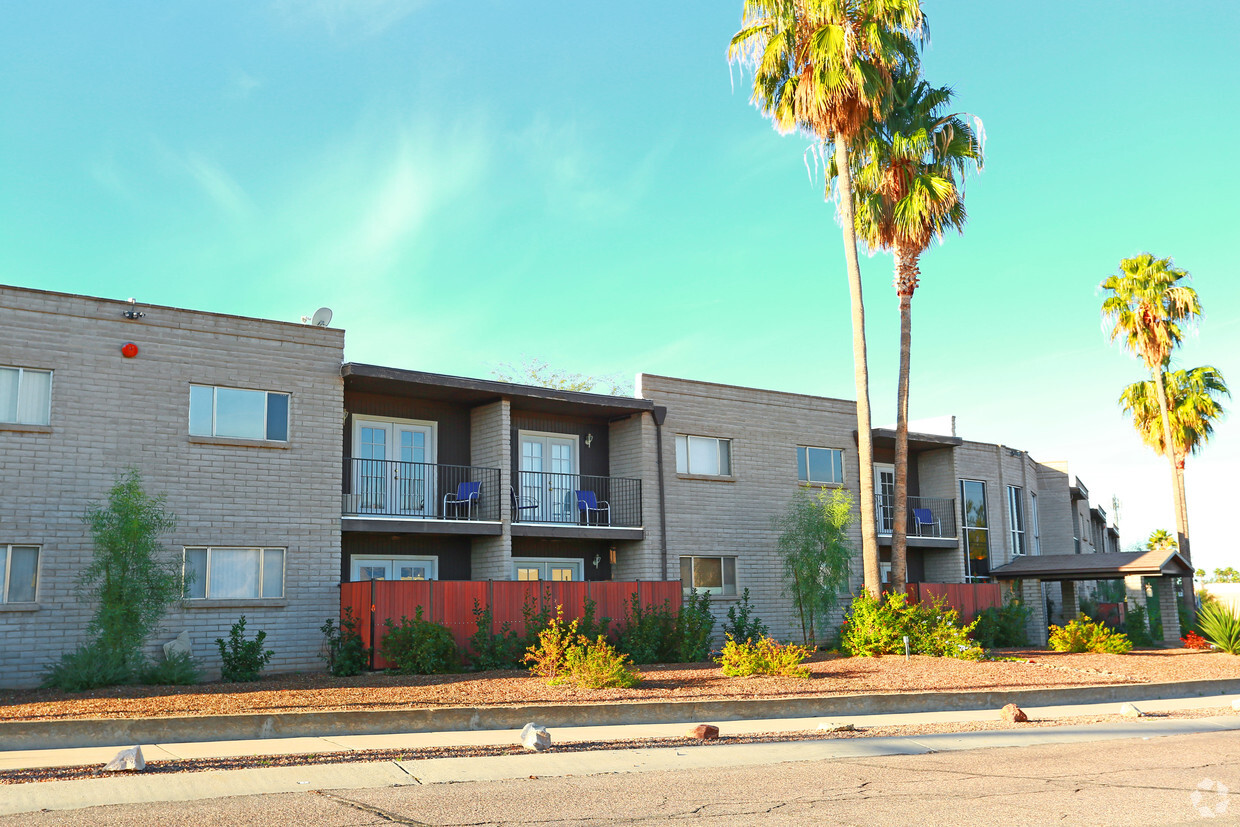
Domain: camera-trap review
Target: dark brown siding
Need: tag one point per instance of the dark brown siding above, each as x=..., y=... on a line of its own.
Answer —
x=583, y=550
x=594, y=460
x=453, y=420
x=887, y=456
x=453, y=552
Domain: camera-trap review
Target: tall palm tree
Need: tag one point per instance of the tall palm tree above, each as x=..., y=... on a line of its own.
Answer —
x=908, y=172
x=1147, y=307
x=1193, y=406
x=823, y=68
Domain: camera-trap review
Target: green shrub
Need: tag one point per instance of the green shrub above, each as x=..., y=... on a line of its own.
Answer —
x=878, y=627
x=694, y=624
x=418, y=647
x=505, y=649
x=764, y=656
x=1086, y=636
x=1003, y=626
x=178, y=669
x=548, y=657
x=1220, y=626
x=595, y=664
x=242, y=659
x=742, y=625
x=647, y=632
x=89, y=667
x=1137, y=627
x=345, y=652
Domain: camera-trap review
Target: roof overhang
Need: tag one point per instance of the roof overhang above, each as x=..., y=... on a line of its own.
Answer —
x=886, y=438
x=1110, y=566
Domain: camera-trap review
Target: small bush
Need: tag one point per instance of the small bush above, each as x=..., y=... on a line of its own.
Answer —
x=242, y=659
x=178, y=669
x=878, y=627
x=344, y=651
x=1137, y=627
x=418, y=647
x=89, y=667
x=1192, y=640
x=1085, y=636
x=548, y=657
x=647, y=632
x=694, y=624
x=1002, y=626
x=764, y=656
x=742, y=625
x=597, y=665
x=503, y=649
x=1220, y=626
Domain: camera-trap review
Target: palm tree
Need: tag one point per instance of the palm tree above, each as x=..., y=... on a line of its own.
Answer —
x=1160, y=539
x=1147, y=305
x=1193, y=406
x=906, y=170
x=823, y=68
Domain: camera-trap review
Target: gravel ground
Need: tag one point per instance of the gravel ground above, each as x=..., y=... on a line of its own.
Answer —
x=370, y=756
x=830, y=675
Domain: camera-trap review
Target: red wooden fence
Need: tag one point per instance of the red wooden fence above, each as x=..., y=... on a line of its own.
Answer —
x=967, y=598
x=451, y=602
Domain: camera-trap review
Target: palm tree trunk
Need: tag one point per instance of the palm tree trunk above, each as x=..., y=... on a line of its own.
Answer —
x=865, y=436
x=1181, y=525
x=1181, y=528
x=906, y=283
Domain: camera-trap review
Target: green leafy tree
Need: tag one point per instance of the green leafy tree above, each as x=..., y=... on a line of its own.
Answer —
x=537, y=372
x=908, y=173
x=1227, y=575
x=814, y=550
x=824, y=68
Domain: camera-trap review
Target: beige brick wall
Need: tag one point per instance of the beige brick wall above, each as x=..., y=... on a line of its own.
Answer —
x=633, y=455
x=109, y=412
x=490, y=446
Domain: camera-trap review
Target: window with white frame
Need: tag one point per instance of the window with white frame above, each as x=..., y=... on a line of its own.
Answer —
x=237, y=412
x=19, y=573
x=976, y=530
x=712, y=575
x=1016, y=518
x=224, y=573
x=25, y=396
x=555, y=569
x=1033, y=522
x=820, y=465
x=400, y=567
x=706, y=455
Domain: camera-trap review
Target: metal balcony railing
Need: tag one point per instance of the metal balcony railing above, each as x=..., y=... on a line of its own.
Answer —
x=544, y=497
x=942, y=517
x=387, y=488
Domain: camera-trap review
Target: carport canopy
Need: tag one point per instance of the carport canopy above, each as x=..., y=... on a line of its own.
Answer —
x=1110, y=566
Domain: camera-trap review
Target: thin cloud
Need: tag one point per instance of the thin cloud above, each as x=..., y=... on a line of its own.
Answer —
x=218, y=185
x=347, y=19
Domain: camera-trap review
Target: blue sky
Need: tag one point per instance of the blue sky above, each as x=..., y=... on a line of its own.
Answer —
x=587, y=184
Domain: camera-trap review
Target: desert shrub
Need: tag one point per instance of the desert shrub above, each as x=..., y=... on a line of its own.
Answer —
x=595, y=664
x=647, y=633
x=694, y=624
x=242, y=659
x=815, y=554
x=1002, y=626
x=764, y=656
x=878, y=627
x=417, y=646
x=343, y=648
x=178, y=669
x=1137, y=627
x=505, y=649
x=1086, y=636
x=548, y=657
x=742, y=625
x=89, y=667
x=1192, y=640
x=1220, y=626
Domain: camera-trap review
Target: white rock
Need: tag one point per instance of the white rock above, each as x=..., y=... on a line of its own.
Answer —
x=535, y=737
x=178, y=645
x=832, y=726
x=127, y=759
x=1236, y=705
x=1130, y=711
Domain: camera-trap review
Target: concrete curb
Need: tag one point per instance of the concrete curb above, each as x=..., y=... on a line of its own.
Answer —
x=101, y=732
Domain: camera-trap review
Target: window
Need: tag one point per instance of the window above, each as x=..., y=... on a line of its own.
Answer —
x=820, y=465
x=976, y=530
x=19, y=573
x=554, y=569
x=1033, y=522
x=703, y=455
x=25, y=396
x=402, y=567
x=713, y=575
x=232, y=573
x=1016, y=518
x=233, y=412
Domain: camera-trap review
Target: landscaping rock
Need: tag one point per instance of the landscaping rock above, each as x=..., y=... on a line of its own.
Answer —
x=127, y=760
x=535, y=737
x=705, y=732
x=1130, y=711
x=1013, y=714
x=180, y=644
x=1236, y=705
x=832, y=726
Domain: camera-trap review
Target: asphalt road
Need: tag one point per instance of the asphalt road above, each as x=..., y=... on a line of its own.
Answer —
x=1166, y=780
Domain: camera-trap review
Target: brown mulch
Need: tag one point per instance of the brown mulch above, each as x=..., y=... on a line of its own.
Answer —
x=830, y=675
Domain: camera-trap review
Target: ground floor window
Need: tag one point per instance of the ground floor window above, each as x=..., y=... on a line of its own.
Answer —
x=713, y=575
x=546, y=568
x=19, y=573
x=224, y=573
x=400, y=567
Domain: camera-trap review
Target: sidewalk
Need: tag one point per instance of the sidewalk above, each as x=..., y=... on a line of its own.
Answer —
x=188, y=786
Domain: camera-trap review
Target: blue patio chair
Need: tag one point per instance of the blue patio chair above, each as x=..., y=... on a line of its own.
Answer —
x=467, y=494
x=520, y=504
x=923, y=518
x=588, y=503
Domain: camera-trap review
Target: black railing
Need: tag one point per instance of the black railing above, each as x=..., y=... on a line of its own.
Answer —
x=387, y=488
x=941, y=520
x=543, y=497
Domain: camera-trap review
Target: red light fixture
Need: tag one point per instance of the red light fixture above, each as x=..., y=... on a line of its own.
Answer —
x=129, y=350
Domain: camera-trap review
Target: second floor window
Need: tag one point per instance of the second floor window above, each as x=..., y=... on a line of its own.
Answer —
x=820, y=465
x=25, y=396
x=1016, y=518
x=234, y=412
x=703, y=455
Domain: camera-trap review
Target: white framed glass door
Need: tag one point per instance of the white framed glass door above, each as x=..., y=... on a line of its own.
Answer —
x=885, y=497
x=394, y=467
x=549, y=476
x=393, y=568
x=554, y=569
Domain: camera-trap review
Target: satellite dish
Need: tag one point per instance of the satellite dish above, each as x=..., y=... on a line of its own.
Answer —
x=322, y=317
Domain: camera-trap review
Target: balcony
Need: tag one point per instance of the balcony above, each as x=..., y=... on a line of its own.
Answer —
x=546, y=504
x=388, y=495
x=939, y=532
